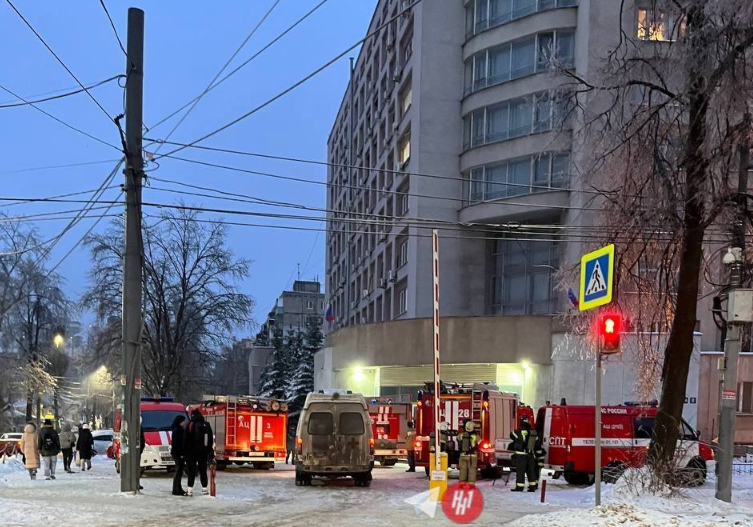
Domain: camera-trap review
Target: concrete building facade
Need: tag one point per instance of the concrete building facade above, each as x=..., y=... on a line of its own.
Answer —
x=452, y=115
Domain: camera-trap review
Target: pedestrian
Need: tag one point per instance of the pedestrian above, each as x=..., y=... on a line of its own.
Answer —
x=290, y=454
x=199, y=451
x=67, y=444
x=49, y=448
x=410, y=445
x=523, y=445
x=177, y=450
x=468, y=446
x=85, y=447
x=30, y=449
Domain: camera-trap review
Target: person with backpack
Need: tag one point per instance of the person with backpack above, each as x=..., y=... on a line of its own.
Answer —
x=67, y=444
x=199, y=451
x=49, y=448
x=30, y=449
x=85, y=447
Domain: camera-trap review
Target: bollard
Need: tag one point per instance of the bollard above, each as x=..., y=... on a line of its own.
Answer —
x=543, y=490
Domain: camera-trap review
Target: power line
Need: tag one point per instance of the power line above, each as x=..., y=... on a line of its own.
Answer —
x=56, y=167
x=19, y=201
x=60, y=96
x=87, y=134
x=243, y=64
x=209, y=86
x=58, y=59
x=297, y=84
x=114, y=29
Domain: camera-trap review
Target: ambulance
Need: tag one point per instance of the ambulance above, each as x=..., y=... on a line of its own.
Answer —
x=157, y=415
x=246, y=429
x=495, y=414
x=567, y=434
x=389, y=423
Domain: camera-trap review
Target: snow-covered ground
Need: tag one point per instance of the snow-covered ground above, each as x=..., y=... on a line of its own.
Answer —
x=249, y=497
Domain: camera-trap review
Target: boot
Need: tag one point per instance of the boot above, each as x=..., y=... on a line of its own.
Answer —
x=204, y=491
x=189, y=491
x=531, y=489
x=517, y=489
x=411, y=470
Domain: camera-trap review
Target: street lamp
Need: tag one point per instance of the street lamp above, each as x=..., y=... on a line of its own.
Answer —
x=58, y=338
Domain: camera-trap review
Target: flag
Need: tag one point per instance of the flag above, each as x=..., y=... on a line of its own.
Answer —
x=329, y=316
x=573, y=299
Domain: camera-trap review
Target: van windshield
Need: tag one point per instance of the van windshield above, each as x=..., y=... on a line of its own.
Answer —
x=321, y=424
x=159, y=420
x=351, y=424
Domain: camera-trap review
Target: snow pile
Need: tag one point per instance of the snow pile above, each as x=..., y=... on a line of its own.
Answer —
x=10, y=465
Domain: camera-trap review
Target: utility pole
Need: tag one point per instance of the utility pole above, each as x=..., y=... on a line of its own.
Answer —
x=739, y=306
x=132, y=265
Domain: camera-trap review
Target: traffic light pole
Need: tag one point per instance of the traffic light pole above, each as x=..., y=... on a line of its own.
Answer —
x=130, y=461
x=597, y=429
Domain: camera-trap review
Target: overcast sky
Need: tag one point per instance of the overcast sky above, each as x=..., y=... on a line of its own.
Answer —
x=186, y=44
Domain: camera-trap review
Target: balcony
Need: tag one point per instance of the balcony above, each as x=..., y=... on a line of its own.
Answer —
x=483, y=18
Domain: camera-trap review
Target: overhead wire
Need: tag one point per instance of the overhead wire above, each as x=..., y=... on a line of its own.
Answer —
x=224, y=67
x=60, y=96
x=289, y=89
x=243, y=64
x=67, y=125
x=114, y=29
x=56, y=167
x=42, y=40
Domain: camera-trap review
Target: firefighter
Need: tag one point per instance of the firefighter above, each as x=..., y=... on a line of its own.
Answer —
x=410, y=444
x=468, y=442
x=523, y=445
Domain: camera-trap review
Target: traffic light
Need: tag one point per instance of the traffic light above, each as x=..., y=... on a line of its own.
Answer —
x=610, y=332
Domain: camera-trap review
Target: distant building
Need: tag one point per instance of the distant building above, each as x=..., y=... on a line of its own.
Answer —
x=293, y=310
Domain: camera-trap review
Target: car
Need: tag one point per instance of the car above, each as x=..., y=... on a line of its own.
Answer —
x=9, y=443
x=102, y=439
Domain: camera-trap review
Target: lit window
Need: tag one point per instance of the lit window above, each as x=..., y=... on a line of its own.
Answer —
x=404, y=151
x=659, y=26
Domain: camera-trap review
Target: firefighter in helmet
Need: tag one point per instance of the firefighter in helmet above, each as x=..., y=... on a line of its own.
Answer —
x=442, y=438
x=468, y=442
x=524, y=441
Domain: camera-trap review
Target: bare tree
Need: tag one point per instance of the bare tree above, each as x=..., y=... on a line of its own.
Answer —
x=663, y=122
x=192, y=302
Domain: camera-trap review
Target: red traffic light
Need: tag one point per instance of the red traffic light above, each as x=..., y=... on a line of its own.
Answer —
x=610, y=331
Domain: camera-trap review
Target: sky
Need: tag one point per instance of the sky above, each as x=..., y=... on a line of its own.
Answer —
x=186, y=44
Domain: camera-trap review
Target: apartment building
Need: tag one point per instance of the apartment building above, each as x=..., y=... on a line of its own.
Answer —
x=452, y=115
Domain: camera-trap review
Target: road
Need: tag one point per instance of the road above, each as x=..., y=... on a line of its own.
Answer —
x=245, y=497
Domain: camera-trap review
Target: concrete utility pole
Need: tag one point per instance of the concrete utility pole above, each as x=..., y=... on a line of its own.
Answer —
x=739, y=306
x=132, y=265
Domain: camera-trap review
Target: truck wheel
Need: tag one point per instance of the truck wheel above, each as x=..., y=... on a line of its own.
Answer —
x=239, y=463
x=613, y=471
x=491, y=472
x=221, y=465
x=577, y=478
x=694, y=474
x=389, y=462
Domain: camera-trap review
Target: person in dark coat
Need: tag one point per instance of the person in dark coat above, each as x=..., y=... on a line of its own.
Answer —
x=177, y=450
x=85, y=447
x=49, y=447
x=67, y=444
x=199, y=450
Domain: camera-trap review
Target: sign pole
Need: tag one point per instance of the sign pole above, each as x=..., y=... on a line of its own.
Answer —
x=597, y=428
x=437, y=391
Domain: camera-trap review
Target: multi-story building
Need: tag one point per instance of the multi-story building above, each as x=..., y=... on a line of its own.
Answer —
x=452, y=115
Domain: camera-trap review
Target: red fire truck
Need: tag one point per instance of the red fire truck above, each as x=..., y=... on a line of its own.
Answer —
x=157, y=415
x=568, y=436
x=246, y=429
x=389, y=423
x=495, y=414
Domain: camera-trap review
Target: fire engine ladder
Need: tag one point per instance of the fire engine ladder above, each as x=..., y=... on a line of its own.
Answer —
x=476, y=397
x=232, y=421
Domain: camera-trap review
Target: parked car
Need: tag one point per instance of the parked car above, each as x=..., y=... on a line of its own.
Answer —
x=102, y=439
x=9, y=443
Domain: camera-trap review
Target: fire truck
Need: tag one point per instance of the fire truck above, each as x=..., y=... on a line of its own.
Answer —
x=389, y=423
x=567, y=433
x=495, y=414
x=157, y=415
x=246, y=429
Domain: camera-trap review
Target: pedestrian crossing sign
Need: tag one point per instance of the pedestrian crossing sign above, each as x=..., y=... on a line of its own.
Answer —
x=596, y=277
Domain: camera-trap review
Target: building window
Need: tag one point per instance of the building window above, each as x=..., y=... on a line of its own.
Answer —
x=745, y=397
x=511, y=119
x=520, y=58
x=402, y=301
x=402, y=255
x=402, y=200
x=654, y=24
x=310, y=304
x=485, y=14
x=404, y=151
x=406, y=98
x=522, y=280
